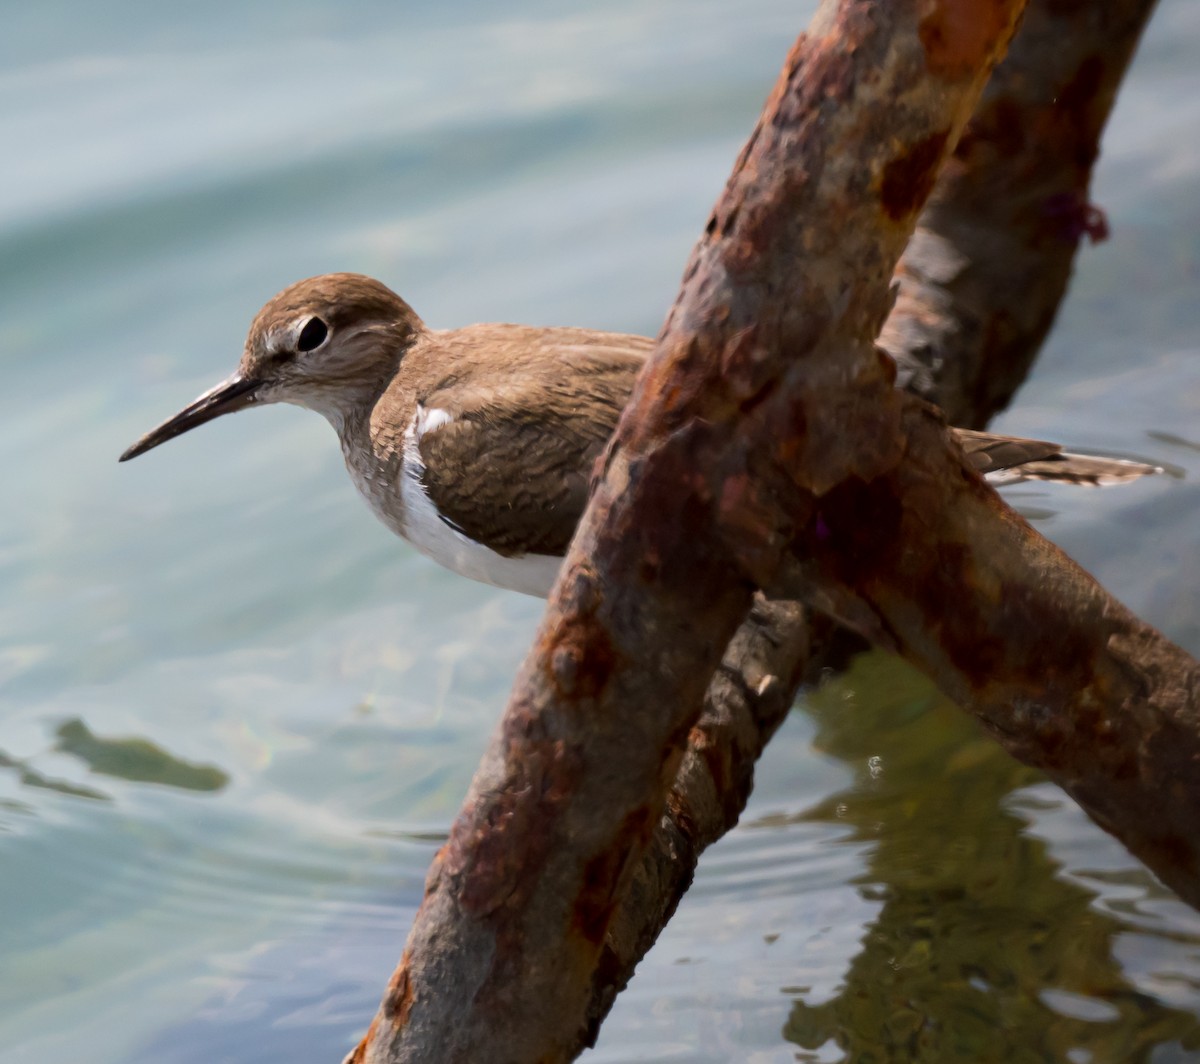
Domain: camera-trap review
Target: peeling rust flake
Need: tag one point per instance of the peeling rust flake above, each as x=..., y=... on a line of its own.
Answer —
x=908, y=179
x=729, y=788
x=958, y=36
x=397, y=1002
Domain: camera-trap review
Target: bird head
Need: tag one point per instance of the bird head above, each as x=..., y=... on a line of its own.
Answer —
x=329, y=343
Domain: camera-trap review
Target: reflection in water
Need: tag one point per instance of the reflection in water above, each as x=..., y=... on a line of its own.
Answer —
x=32, y=778
x=138, y=760
x=1174, y=439
x=980, y=951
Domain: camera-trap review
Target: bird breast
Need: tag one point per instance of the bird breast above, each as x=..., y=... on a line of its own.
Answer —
x=390, y=480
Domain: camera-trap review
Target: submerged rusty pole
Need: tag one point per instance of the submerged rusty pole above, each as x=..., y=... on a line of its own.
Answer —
x=983, y=276
x=501, y=959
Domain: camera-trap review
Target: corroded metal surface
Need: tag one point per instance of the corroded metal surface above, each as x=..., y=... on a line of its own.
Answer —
x=982, y=278
x=1061, y=673
x=973, y=380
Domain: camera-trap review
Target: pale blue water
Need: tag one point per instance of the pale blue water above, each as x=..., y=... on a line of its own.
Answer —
x=228, y=599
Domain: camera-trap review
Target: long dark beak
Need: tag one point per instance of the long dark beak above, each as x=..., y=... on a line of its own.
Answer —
x=234, y=393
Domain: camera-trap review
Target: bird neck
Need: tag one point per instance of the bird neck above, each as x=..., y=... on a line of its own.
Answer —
x=347, y=407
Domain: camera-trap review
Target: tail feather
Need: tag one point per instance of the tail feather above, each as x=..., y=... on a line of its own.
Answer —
x=1010, y=459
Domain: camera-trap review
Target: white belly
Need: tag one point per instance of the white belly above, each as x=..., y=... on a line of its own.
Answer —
x=532, y=574
x=396, y=496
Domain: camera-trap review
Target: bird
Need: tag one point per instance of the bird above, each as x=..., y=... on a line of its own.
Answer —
x=477, y=444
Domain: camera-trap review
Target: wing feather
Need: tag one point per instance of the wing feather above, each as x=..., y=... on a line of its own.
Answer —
x=509, y=466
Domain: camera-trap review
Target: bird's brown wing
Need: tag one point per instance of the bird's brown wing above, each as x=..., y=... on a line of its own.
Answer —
x=511, y=467
x=510, y=459
x=990, y=453
x=1011, y=458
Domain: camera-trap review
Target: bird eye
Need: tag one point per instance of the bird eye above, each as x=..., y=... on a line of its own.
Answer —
x=312, y=335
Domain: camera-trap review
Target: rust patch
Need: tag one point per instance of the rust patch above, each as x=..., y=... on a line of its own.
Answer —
x=970, y=645
x=594, y=906
x=359, y=1053
x=959, y=37
x=908, y=179
x=398, y=998
x=679, y=809
x=746, y=366
x=731, y=787
x=495, y=864
x=672, y=541
x=877, y=539
x=750, y=519
x=580, y=653
x=596, y=902
x=855, y=531
x=819, y=74
x=674, y=389
x=715, y=756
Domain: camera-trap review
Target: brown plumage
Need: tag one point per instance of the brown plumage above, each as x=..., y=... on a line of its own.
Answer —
x=477, y=444
x=1007, y=459
x=546, y=420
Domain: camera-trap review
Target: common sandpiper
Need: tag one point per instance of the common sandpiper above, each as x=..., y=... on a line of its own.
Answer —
x=477, y=444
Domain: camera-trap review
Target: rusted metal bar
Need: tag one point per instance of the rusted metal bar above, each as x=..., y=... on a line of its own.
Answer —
x=1064, y=676
x=980, y=283
x=985, y=271
x=747, y=700
x=500, y=962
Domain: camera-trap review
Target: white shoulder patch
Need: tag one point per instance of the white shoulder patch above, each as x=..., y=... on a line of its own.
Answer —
x=429, y=419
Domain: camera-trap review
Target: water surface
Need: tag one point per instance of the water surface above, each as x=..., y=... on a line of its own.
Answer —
x=237, y=716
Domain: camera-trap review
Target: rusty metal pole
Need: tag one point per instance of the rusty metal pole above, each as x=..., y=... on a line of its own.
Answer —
x=983, y=276
x=981, y=280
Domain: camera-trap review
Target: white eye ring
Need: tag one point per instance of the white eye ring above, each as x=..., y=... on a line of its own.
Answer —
x=312, y=335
